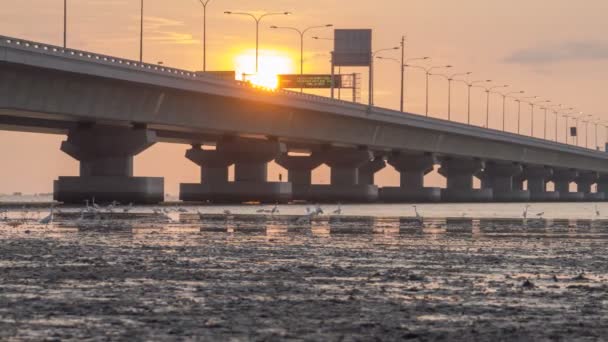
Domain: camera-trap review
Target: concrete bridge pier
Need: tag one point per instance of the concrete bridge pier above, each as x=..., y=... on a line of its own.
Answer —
x=459, y=174
x=345, y=185
x=299, y=170
x=602, y=184
x=585, y=181
x=368, y=171
x=501, y=178
x=562, y=179
x=412, y=169
x=250, y=158
x=538, y=177
x=214, y=176
x=106, y=167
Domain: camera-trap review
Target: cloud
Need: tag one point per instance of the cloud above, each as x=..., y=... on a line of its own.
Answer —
x=570, y=51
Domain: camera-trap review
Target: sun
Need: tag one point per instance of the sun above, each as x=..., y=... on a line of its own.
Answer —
x=271, y=64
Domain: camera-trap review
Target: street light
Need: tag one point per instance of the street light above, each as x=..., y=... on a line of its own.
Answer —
x=428, y=74
x=451, y=78
x=469, y=86
x=576, y=120
x=204, y=3
x=257, y=19
x=532, y=105
x=504, y=105
x=371, y=73
x=546, y=108
x=65, y=23
x=141, y=33
x=519, y=100
x=557, y=112
x=488, y=92
x=301, y=33
x=402, y=67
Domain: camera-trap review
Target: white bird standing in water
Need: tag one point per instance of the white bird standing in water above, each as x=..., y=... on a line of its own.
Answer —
x=275, y=210
x=597, y=211
x=418, y=216
x=540, y=215
x=525, y=213
x=127, y=208
x=339, y=210
x=49, y=219
x=319, y=210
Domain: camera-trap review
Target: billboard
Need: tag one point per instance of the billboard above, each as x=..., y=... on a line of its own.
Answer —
x=308, y=81
x=573, y=131
x=352, y=47
x=225, y=75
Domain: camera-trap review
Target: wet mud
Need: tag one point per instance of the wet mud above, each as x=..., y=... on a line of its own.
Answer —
x=327, y=279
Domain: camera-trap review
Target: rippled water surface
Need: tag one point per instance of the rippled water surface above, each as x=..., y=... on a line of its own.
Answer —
x=462, y=272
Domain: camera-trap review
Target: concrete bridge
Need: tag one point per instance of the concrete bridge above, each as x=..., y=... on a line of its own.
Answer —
x=111, y=109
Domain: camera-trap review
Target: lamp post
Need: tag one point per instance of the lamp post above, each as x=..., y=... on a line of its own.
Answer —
x=557, y=112
x=488, y=92
x=371, y=73
x=257, y=20
x=301, y=33
x=65, y=23
x=428, y=74
x=204, y=3
x=532, y=105
x=141, y=33
x=576, y=120
x=504, y=105
x=519, y=101
x=450, y=79
x=402, y=67
x=469, y=86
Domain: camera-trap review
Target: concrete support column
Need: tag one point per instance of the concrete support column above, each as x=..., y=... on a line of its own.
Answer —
x=602, y=184
x=299, y=170
x=562, y=179
x=214, y=166
x=251, y=158
x=412, y=169
x=459, y=174
x=369, y=170
x=345, y=185
x=501, y=179
x=585, y=181
x=537, y=177
x=106, y=167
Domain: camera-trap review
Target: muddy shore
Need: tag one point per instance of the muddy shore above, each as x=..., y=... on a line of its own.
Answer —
x=340, y=281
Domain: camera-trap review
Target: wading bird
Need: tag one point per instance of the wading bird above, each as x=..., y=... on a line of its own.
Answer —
x=339, y=210
x=49, y=219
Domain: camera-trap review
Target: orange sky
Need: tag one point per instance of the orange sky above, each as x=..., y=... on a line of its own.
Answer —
x=551, y=48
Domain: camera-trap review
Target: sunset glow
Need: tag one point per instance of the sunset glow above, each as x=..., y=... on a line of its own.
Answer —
x=271, y=64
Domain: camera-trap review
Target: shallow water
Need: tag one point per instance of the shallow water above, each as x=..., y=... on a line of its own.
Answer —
x=247, y=276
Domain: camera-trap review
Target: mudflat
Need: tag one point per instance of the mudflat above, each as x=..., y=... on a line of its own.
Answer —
x=340, y=280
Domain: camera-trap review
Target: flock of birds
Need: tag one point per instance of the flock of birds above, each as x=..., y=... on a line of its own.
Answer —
x=93, y=210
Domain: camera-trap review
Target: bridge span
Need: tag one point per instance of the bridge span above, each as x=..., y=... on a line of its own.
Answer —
x=112, y=109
